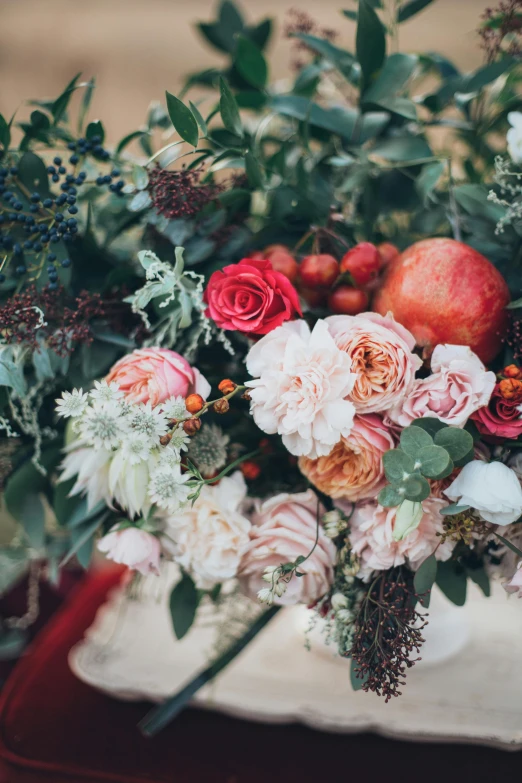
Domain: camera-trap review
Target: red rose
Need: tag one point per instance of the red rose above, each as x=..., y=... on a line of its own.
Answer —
x=250, y=297
x=500, y=419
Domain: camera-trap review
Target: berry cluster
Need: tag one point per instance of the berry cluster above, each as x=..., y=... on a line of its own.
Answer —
x=180, y=193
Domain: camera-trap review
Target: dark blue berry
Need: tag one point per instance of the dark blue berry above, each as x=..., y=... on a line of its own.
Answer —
x=37, y=247
x=74, y=159
x=51, y=170
x=58, y=217
x=45, y=238
x=66, y=262
x=55, y=178
x=7, y=243
x=21, y=269
x=72, y=222
x=73, y=210
x=3, y=172
x=51, y=257
x=14, y=169
x=12, y=216
x=72, y=191
x=17, y=249
x=48, y=203
x=69, y=178
x=82, y=175
x=62, y=170
x=55, y=238
x=57, y=161
x=20, y=218
x=71, y=199
x=35, y=197
x=18, y=205
x=71, y=145
x=2, y=277
x=51, y=269
x=61, y=200
x=115, y=173
x=33, y=208
x=28, y=244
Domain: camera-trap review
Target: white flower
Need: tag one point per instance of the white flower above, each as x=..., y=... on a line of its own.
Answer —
x=167, y=488
x=209, y=538
x=339, y=601
x=266, y=596
x=103, y=425
x=303, y=380
x=514, y=136
x=491, y=488
x=148, y=421
x=174, y=408
x=129, y=481
x=134, y=548
x=169, y=457
x=91, y=468
x=180, y=440
x=72, y=404
x=137, y=447
x=106, y=392
x=407, y=519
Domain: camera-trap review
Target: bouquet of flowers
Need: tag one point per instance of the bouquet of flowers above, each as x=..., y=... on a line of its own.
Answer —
x=280, y=326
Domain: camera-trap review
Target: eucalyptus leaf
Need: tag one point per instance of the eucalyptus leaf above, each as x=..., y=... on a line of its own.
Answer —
x=199, y=119
x=481, y=578
x=433, y=460
x=451, y=578
x=184, y=602
x=413, y=439
x=397, y=465
x=393, y=77
x=415, y=488
x=453, y=508
x=356, y=682
x=457, y=442
x=14, y=563
x=430, y=424
x=253, y=171
x=389, y=497
x=370, y=41
x=424, y=579
x=403, y=148
x=410, y=8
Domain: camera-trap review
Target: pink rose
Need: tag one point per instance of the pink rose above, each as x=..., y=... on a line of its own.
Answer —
x=155, y=374
x=250, y=297
x=132, y=547
x=515, y=583
x=371, y=537
x=353, y=470
x=382, y=357
x=500, y=419
x=458, y=386
x=283, y=528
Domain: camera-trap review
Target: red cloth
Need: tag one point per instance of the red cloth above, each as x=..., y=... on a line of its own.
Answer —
x=55, y=729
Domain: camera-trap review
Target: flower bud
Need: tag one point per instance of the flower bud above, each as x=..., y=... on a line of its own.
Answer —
x=246, y=396
x=221, y=406
x=227, y=386
x=191, y=426
x=511, y=389
x=250, y=469
x=165, y=439
x=512, y=371
x=194, y=403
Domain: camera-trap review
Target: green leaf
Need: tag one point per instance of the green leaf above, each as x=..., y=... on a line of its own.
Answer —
x=370, y=42
x=424, y=579
x=514, y=305
x=451, y=578
x=12, y=643
x=507, y=543
x=199, y=119
x=95, y=128
x=12, y=375
x=430, y=424
x=60, y=105
x=474, y=199
x=86, y=102
x=33, y=174
x=13, y=565
x=413, y=439
x=357, y=682
x=395, y=73
x=5, y=133
x=82, y=540
x=250, y=62
x=397, y=465
x=229, y=110
x=339, y=58
x=416, y=488
x=427, y=180
x=389, y=497
x=480, y=577
x=485, y=75
x=455, y=441
x=409, y=9
x=253, y=171
x=433, y=460
x=138, y=134
x=453, y=508
x=184, y=602
x=403, y=148
x=183, y=120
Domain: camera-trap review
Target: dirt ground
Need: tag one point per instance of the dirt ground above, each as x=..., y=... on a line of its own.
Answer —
x=138, y=48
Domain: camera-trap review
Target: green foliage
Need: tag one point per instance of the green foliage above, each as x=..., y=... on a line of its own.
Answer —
x=183, y=120
x=424, y=579
x=184, y=602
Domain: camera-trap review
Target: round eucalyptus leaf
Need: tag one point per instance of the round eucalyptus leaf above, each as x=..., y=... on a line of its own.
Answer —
x=425, y=577
x=457, y=442
x=397, y=465
x=444, y=473
x=415, y=488
x=413, y=439
x=429, y=424
x=389, y=497
x=433, y=460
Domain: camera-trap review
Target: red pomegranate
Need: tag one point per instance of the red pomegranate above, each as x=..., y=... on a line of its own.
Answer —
x=443, y=291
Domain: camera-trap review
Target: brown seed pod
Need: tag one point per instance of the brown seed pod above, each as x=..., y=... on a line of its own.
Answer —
x=221, y=406
x=191, y=426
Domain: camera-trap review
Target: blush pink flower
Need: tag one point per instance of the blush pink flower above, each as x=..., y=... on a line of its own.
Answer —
x=302, y=380
x=134, y=548
x=283, y=528
x=155, y=374
x=382, y=357
x=353, y=470
x=371, y=537
x=458, y=386
x=250, y=297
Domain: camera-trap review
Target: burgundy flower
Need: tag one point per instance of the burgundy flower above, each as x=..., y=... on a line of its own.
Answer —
x=250, y=297
x=501, y=418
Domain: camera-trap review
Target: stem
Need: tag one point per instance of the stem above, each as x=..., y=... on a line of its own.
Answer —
x=455, y=223
x=230, y=467
x=161, y=716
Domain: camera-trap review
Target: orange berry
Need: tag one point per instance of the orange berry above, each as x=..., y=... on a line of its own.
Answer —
x=512, y=371
x=191, y=426
x=511, y=389
x=250, y=469
x=227, y=386
x=194, y=403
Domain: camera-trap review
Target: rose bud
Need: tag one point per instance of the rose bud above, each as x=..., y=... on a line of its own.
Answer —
x=221, y=406
x=227, y=386
x=250, y=469
x=194, y=403
x=191, y=426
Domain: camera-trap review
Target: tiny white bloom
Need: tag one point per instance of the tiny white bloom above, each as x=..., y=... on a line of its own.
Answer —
x=167, y=488
x=136, y=447
x=72, y=404
x=174, y=408
x=103, y=426
x=169, y=457
x=339, y=601
x=180, y=440
x=344, y=615
x=265, y=595
x=514, y=136
x=279, y=588
x=148, y=421
x=268, y=574
x=105, y=392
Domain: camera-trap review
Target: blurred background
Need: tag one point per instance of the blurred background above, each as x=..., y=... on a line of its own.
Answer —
x=137, y=49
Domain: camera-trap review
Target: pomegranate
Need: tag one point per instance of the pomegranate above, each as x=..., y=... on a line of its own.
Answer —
x=362, y=262
x=443, y=291
x=318, y=270
x=282, y=260
x=346, y=300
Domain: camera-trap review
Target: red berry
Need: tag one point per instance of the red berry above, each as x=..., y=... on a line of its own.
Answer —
x=282, y=260
x=314, y=297
x=346, y=300
x=318, y=270
x=388, y=252
x=362, y=262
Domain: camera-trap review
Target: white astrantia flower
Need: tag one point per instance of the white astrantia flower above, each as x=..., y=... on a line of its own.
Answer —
x=137, y=447
x=514, y=136
x=491, y=488
x=174, y=408
x=106, y=392
x=167, y=488
x=72, y=404
x=103, y=426
x=169, y=457
x=148, y=421
x=180, y=440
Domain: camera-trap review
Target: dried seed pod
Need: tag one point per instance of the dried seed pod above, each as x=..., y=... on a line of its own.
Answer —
x=221, y=406
x=191, y=426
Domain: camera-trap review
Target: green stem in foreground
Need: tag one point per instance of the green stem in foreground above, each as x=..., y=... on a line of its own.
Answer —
x=161, y=716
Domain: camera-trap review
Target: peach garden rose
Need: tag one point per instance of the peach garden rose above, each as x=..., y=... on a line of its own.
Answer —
x=382, y=357
x=353, y=470
x=155, y=374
